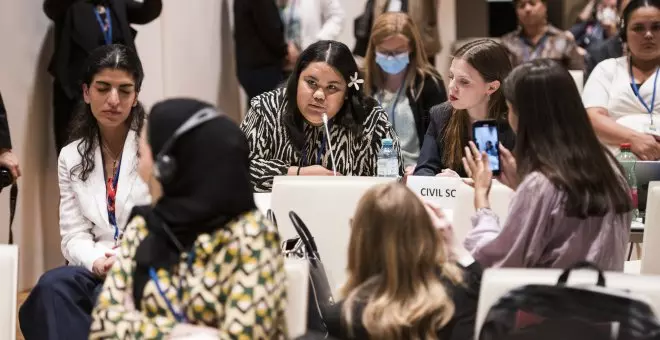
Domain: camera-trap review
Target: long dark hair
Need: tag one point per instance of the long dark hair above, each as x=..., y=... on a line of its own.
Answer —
x=84, y=126
x=491, y=60
x=555, y=137
x=356, y=106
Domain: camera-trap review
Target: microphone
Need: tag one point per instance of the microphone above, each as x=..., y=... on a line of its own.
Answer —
x=327, y=135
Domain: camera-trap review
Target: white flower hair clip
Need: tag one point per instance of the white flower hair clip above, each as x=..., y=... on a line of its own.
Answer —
x=355, y=81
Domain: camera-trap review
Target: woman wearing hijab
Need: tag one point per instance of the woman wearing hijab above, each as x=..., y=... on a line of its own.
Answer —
x=201, y=259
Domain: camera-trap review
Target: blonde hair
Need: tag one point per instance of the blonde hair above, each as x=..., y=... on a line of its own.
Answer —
x=396, y=259
x=387, y=25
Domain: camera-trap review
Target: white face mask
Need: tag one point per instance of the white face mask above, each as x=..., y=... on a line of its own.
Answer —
x=607, y=15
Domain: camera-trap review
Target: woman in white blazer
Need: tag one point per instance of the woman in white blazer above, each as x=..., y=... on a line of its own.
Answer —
x=99, y=185
x=308, y=21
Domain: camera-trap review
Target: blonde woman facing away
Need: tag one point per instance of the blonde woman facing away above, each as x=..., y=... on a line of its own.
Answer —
x=403, y=281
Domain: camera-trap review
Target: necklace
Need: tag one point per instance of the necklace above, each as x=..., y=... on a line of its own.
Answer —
x=114, y=157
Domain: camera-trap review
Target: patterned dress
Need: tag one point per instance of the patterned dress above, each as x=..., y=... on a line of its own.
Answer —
x=236, y=284
x=272, y=151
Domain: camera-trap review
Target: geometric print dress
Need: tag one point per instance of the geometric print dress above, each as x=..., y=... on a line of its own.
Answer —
x=236, y=284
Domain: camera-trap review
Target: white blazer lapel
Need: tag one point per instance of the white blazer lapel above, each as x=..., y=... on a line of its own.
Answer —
x=95, y=185
x=127, y=177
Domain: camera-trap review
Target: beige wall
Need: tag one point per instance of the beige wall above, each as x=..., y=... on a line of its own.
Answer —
x=188, y=51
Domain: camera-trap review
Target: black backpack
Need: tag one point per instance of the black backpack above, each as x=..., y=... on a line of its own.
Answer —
x=538, y=312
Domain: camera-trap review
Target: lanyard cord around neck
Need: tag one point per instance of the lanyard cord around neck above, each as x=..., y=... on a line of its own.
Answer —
x=391, y=111
x=649, y=108
x=533, y=51
x=319, y=153
x=180, y=316
x=106, y=30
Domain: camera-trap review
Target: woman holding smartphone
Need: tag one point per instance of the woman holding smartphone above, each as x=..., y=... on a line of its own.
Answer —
x=571, y=202
x=475, y=76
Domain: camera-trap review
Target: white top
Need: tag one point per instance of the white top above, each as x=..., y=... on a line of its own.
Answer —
x=86, y=232
x=609, y=87
x=395, y=6
x=318, y=20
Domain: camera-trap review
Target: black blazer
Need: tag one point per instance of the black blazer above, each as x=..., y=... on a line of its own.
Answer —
x=258, y=34
x=5, y=140
x=610, y=48
x=433, y=93
x=460, y=327
x=430, y=161
x=77, y=33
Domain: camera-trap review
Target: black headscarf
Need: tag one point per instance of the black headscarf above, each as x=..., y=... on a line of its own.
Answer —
x=210, y=187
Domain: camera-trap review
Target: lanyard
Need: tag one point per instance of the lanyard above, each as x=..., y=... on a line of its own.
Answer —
x=391, y=111
x=651, y=105
x=107, y=31
x=533, y=50
x=179, y=316
x=320, y=152
x=111, y=191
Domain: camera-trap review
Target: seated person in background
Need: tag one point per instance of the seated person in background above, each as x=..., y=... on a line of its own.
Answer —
x=536, y=39
x=598, y=22
x=609, y=48
x=627, y=85
x=285, y=126
x=201, y=259
x=99, y=186
x=571, y=202
x=475, y=75
x=400, y=77
x=403, y=279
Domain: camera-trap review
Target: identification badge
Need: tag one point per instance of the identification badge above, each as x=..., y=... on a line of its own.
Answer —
x=652, y=128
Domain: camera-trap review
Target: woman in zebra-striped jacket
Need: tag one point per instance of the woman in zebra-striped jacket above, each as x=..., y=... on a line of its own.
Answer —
x=288, y=139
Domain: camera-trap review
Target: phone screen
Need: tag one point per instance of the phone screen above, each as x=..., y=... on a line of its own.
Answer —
x=487, y=140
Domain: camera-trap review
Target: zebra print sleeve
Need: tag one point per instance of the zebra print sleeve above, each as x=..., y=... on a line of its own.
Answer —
x=389, y=132
x=260, y=133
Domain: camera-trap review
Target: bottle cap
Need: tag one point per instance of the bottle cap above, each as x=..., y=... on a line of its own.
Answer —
x=625, y=146
x=387, y=142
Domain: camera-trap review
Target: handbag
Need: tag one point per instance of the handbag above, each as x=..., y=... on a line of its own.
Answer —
x=538, y=312
x=320, y=295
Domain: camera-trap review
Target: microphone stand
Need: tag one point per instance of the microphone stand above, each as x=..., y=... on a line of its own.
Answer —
x=327, y=135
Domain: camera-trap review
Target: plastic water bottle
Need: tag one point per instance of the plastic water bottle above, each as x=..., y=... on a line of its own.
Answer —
x=388, y=163
x=628, y=162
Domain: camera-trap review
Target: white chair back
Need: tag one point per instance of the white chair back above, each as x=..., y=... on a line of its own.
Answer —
x=497, y=282
x=297, y=275
x=8, y=291
x=326, y=205
x=578, y=76
x=651, y=244
x=262, y=201
x=500, y=197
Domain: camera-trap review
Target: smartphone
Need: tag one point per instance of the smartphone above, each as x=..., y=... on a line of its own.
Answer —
x=486, y=137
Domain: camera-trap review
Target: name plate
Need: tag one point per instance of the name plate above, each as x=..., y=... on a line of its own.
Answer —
x=440, y=190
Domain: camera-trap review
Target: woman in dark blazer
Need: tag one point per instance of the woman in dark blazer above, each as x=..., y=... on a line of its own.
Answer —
x=400, y=77
x=475, y=75
x=80, y=27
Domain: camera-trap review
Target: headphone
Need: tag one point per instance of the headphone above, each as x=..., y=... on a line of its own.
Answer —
x=165, y=166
